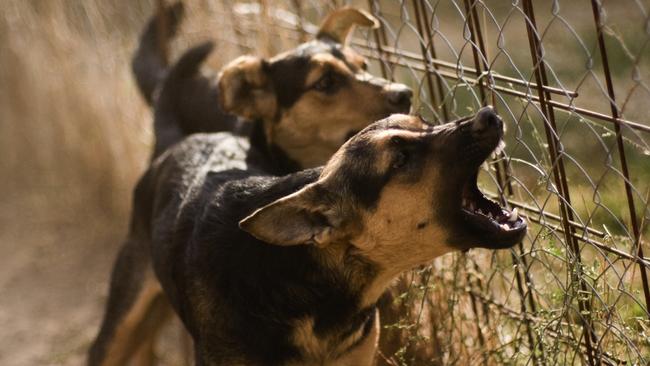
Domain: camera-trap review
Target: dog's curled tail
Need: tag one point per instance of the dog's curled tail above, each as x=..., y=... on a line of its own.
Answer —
x=189, y=64
x=149, y=64
x=187, y=101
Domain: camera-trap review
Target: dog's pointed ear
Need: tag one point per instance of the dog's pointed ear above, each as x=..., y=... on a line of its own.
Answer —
x=304, y=217
x=339, y=23
x=246, y=90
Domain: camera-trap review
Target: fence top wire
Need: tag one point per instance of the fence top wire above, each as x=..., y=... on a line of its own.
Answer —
x=571, y=79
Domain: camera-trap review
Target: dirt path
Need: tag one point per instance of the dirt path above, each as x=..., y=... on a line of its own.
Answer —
x=53, y=283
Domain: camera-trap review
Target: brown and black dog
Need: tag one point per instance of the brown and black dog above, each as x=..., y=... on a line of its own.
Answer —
x=297, y=108
x=301, y=105
x=268, y=270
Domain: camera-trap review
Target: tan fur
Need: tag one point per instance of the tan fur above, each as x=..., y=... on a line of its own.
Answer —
x=393, y=241
x=339, y=23
x=391, y=236
x=354, y=58
x=136, y=331
x=317, y=125
x=337, y=352
x=244, y=75
x=145, y=355
x=366, y=352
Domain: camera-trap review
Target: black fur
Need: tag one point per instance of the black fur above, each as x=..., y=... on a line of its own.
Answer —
x=149, y=65
x=365, y=183
x=187, y=102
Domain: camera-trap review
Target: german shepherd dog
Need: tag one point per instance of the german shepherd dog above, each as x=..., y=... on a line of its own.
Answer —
x=299, y=106
x=268, y=270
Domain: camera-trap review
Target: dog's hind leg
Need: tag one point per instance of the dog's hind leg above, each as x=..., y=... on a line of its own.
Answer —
x=187, y=345
x=149, y=329
x=135, y=310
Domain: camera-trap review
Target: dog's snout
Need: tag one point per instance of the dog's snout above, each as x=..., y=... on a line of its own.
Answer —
x=487, y=120
x=399, y=95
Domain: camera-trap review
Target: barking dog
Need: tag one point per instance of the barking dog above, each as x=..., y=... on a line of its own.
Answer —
x=302, y=104
x=267, y=270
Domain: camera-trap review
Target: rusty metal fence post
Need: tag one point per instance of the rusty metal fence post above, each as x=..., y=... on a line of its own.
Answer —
x=559, y=174
x=634, y=222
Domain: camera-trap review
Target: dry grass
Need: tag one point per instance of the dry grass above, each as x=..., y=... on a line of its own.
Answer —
x=73, y=126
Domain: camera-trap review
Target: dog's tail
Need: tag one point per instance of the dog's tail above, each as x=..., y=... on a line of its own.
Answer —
x=149, y=64
x=187, y=102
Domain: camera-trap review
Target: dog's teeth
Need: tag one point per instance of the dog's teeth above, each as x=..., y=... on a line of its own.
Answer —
x=514, y=215
x=504, y=226
x=490, y=215
x=479, y=211
x=471, y=206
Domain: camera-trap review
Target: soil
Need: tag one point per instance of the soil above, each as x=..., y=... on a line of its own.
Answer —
x=54, y=273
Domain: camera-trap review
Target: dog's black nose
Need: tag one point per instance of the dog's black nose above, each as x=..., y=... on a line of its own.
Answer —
x=399, y=95
x=487, y=120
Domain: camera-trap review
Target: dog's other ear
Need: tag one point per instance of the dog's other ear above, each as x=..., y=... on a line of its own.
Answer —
x=339, y=23
x=304, y=217
x=246, y=90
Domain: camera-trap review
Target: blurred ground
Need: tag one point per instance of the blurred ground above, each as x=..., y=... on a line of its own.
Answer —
x=53, y=279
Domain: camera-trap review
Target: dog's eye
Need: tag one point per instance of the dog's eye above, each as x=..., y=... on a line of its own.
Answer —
x=325, y=83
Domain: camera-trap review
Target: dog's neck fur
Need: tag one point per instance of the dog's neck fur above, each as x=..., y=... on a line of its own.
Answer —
x=307, y=292
x=278, y=161
x=353, y=316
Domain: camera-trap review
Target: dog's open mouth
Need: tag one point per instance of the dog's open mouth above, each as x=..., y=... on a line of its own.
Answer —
x=496, y=226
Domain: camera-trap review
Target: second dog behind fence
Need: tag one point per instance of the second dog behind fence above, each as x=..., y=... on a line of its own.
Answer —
x=304, y=103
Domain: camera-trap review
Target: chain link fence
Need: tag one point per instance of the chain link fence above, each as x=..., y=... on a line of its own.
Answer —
x=571, y=80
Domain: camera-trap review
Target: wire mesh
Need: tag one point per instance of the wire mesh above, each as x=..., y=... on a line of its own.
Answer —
x=571, y=80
